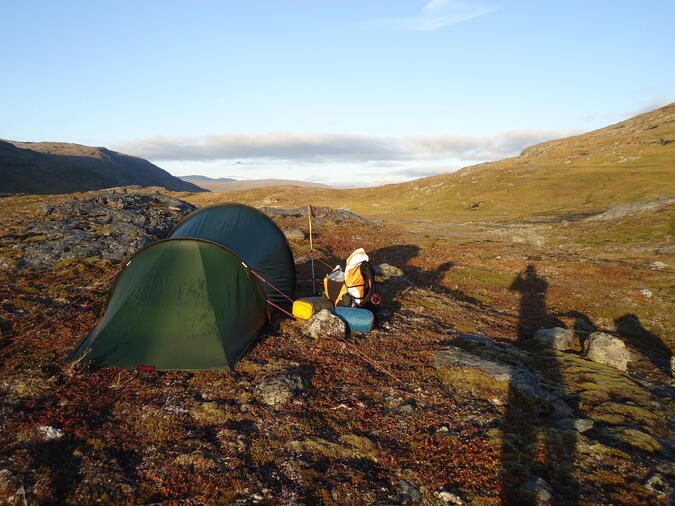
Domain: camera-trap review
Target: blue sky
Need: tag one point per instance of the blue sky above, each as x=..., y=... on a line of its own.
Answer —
x=348, y=93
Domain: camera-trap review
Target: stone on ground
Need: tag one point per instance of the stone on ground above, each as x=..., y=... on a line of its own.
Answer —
x=538, y=491
x=578, y=424
x=325, y=324
x=388, y=271
x=557, y=338
x=606, y=349
x=280, y=388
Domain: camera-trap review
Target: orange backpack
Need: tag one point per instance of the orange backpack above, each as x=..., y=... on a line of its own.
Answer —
x=356, y=286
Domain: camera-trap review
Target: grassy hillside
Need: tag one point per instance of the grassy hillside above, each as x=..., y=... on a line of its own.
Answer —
x=55, y=167
x=630, y=161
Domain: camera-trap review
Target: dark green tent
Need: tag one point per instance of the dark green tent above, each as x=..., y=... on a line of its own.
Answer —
x=189, y=302
x=251, y=235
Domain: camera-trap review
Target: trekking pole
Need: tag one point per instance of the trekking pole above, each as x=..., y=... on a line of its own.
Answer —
x=311, y=247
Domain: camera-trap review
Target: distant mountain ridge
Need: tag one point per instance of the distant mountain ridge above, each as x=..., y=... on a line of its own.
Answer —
x=206, y=179
x=223, y=185
x=60, y=167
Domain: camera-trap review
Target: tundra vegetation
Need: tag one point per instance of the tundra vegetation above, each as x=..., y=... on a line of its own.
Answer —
x=469, y=401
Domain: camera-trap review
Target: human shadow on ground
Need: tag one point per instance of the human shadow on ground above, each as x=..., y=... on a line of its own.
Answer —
x=530, y=448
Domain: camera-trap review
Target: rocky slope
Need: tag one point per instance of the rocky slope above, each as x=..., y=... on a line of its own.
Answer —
x=56, y=167
x=110, y=225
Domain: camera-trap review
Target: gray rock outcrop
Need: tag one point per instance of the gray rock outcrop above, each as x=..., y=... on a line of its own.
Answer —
x=321, y=214
x=111, y=224
x=632, y=208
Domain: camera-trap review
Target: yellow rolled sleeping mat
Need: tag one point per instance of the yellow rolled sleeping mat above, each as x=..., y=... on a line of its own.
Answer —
x=306, y=307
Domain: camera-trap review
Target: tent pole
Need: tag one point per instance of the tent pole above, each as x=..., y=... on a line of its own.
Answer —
x=311, y=247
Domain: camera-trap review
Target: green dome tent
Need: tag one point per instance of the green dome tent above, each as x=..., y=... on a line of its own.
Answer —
x=189, y=303
x=251, y=235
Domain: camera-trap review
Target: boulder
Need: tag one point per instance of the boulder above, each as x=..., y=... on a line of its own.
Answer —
x=280, y=388
x=325, y=324
x=606, y=349
x=388, y=271
x=557, y=338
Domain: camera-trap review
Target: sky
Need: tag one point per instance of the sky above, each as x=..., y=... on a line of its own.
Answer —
x=349, y=93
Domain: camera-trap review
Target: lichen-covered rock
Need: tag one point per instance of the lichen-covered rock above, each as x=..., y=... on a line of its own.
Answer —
x=325, y=324
x=49, y=433
x=448, y=498
x=557, y=338
x=409, y=493
x=495, y=380
x=659, y=485
x=280, y=388
x=473, y=341
x=607, y=349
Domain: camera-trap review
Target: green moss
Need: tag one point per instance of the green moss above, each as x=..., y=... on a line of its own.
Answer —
x=474, y=381
x=264, y=450
x=616, y=413
x=633, y=437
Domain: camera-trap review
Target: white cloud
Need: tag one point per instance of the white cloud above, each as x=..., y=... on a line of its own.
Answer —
x=438, y=14
x=337, y=159
x=318, y=148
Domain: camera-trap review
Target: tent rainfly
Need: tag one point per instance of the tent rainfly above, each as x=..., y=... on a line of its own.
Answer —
x=193, y=302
